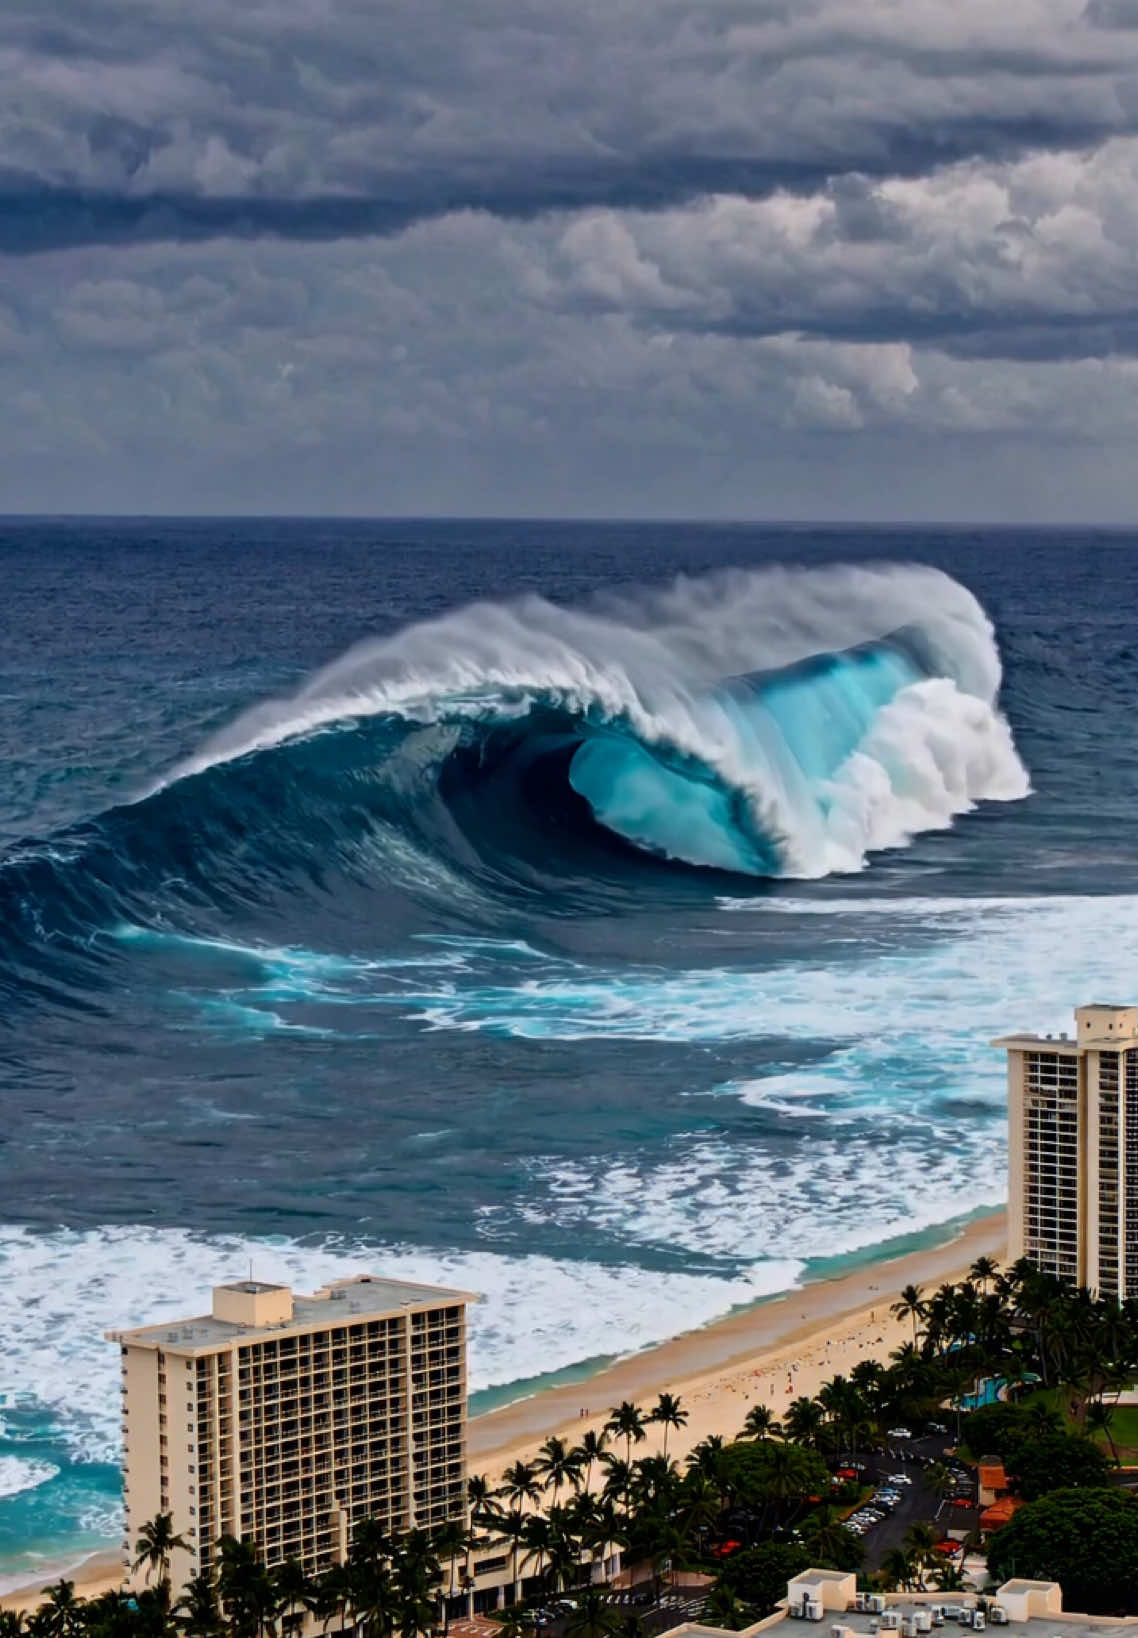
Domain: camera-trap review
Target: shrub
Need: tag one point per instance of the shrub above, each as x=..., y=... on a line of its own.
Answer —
x=1087, y=1540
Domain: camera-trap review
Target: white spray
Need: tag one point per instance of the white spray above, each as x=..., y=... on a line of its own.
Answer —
x=656, y=660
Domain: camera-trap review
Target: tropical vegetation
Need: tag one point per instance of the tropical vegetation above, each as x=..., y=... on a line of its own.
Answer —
x=748, y=1512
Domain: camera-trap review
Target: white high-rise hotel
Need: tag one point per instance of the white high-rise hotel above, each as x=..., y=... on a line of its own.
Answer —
x=1073, y=1150
x=287, y=1419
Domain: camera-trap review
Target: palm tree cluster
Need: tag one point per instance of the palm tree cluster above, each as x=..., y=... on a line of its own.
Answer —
x=571, y=1507
x=554, y=1538
x=1021, y=1325
x=556, y=1518
x=388, y=1587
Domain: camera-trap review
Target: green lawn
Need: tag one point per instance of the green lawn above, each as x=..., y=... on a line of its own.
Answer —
x=1123, y=1423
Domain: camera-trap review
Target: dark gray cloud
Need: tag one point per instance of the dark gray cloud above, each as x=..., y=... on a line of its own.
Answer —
x=792, y=257
x=320, y=119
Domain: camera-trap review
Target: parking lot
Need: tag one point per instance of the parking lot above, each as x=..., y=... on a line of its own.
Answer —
x=655, y=1612
x=903, y=1496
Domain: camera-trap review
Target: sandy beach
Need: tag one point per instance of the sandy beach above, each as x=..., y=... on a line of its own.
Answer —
x=767, y=1355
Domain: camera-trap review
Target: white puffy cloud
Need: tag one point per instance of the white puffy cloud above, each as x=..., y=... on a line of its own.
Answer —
x=1032, y=257
x=425, y=373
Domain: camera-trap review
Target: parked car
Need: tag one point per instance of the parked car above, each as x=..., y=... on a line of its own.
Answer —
x=899, y=1433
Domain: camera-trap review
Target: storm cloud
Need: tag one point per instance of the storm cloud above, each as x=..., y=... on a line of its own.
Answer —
x=320, y=119
x=607, y=256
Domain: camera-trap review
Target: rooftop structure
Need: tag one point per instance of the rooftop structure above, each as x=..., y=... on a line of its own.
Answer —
x=1073, y=1149
x=287, y=1418
x=829, y=1601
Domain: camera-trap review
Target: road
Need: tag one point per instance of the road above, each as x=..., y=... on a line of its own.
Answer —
x=918, y=1504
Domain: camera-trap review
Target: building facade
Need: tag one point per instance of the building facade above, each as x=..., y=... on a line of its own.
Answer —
x=1073, y=1150
x=286, y=1419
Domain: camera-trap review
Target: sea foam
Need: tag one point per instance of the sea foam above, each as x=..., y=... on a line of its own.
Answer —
x=60, y=1290
x=19, y=1474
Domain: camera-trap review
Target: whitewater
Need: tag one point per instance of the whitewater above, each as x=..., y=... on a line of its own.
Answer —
x=706, y=733
x=615, y=912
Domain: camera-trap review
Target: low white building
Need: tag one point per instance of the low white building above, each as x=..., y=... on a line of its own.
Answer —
x=829, y=1600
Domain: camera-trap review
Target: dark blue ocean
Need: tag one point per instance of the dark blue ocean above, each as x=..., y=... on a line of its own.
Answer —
x=613, y=913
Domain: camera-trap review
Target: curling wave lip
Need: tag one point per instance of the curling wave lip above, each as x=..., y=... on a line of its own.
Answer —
x=770, y=722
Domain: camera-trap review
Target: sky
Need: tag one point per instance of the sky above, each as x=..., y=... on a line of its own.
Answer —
x=742, y=258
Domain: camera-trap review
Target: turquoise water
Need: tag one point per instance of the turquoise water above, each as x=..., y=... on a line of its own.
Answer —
x=337, y=957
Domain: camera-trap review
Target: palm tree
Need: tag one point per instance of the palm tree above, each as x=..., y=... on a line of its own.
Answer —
x=911, y=1305
x=669, y=1412
x=449, y=1540
x=706, y=1459
x=589, y=1451
x=959, y=1380
x=198, y=1612
x=655, y=1482
x=939, y=1480
x=337, y=1592
x=565, y=1547
x=846, y=1408
x=512, y=1527
x=245, y=1588
x=1041, y=1421
x=667, y=1551
x=949, y=1577
x=520, y=1485
x=594, y=1617
x=825, y=1535
x=1098, y=1419
x=626, y=1421
x=156, y=1542
x=538, y=1538
x=920, y=1544
x=416, y=1574
x=557, y=1465
x=701, y=1504
x=480, y=1500
x=724, y=1610
x=11, y=1624
x=761, y=1423
x=293, y=1590
x=369, y=1591
x=618, y=1478
x=804, y=1420
x=62, y=1612
x=595, y=1525
x=897, y=1568
x=786, y=1479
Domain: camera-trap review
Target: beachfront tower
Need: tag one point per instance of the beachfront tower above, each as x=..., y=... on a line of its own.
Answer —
x=286, y=1419
x=1073, y=1150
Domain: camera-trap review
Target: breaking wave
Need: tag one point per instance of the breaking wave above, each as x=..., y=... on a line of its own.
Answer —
x=769, y=723
x=780, y=722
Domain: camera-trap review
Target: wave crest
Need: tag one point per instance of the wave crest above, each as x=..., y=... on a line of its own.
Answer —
x=773, y=722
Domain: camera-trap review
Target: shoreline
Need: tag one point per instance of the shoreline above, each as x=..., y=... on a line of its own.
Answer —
x=770, y=1351
x=753, y=1338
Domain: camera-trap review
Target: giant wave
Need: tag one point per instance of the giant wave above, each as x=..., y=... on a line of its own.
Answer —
x=773, y=723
